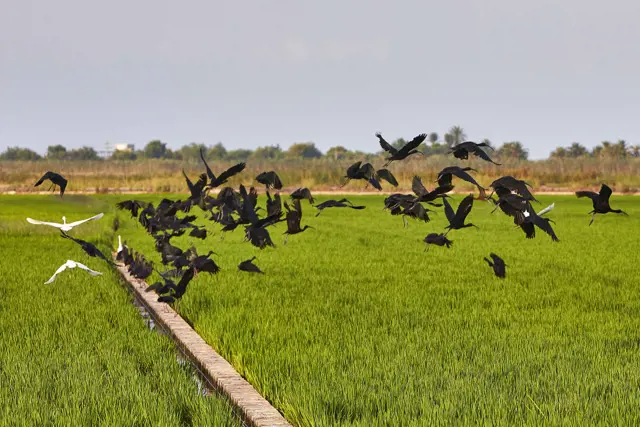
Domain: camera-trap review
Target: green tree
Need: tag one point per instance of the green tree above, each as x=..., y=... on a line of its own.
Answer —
x=448, y=140
x=337, y=153
x=635, y=151
x=559, y=153
x=84, y=153
x=191, y=152
x=155, y=149
x=56, y=152
x=239, y=155
x=457, y=135
x=513, y=150
x=433, y=137
x=306, y=150
x=268, y=152
x=123, y=155
x=577, y=150
x=217, y=152
x=17, y=153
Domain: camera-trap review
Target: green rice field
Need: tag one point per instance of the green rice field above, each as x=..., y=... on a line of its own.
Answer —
x=76, y=351
x=351, y=324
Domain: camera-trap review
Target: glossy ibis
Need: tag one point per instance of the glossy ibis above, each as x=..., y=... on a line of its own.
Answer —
x=437, y=239
x=294, y=216
x=400, y=154
x=600, y=201
x=462, y=151
x=498, y=265
x=513, y=184
x=457, y=219
x=217, y=181
x=270, y=180
x=89, y=248
x=342, y=203
x=445, y=178
x=249, y=266
x=302, y=193
x=56, y=180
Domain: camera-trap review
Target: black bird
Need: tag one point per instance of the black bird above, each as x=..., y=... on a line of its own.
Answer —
x=456, y=220
x=342, y=203
x=89, y=248
x=437, y=239
x=445, y=176
x=302, y=193
x=217, y=181
x=387, y=176
x=249, y=266
x=140, y=267
x=498, y=265
x=198, y=233
x=203, y=263
x=408, y=149
x=172, y=291
x=294, y=216
x=274, y=206
x=56, y=180
x=462, y=151
x=600, y=201
x=116, y=223
x=362, y=171
x=423, y=195
x=270, y=180
x=513, y=184
x=132, y=206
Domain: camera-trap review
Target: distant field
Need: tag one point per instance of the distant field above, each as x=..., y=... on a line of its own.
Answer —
x=353, y=324
x=77, y=352
x=155, y=176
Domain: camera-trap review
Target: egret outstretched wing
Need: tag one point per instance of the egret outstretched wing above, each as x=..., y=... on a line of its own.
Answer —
x=71, y=264
x=52, y=224
x=73, y=224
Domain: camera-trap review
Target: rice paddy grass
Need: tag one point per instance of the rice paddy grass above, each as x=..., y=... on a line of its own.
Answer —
x=354, y=324
x=77, y=351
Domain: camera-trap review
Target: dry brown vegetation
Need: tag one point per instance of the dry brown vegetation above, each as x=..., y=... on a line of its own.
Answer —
x=622, y=175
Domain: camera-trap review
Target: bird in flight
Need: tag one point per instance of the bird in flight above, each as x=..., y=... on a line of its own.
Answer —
x=64, y=226
x=462, y=151
x=408, y=149
x=56, y=180
x=498, y=265
x=600, y=201
x=71, y=264
x=249, y=266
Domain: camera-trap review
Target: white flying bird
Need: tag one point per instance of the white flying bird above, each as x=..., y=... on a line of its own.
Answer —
x=71, y=264
x=64, y=226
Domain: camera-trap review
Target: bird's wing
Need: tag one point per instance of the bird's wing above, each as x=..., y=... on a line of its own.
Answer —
x=73, y=224
x=233, y=170
x=414, y=143
x=464, y=208
x=465, y=176
x=547, y=209
x=59, y=270
x=478, y=151
x=209, y=171
x=448, y=210
x=590, y=194
x=53, y=224
x=545, y=226
x=47, y=175
x=90, y=271
x=417, y=187
x=368, y=171
x=385, y=145
x=605, y=192
x=387, y=176
x=189, y=183
x=353, y=169
x=307, y=195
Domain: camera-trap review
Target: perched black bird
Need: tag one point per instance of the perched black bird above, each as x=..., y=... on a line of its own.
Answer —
x=446, y=174
x=498, y=265
x=513, y=184
x=462, y=151
x=302, y=193
x=456, y=220
x=270, y=180
x=56, y=180
x=217, y=181
x=294, y=216
x=89, y=248
x=437, y=239
x=342, y=203
x=249, y=266
x=600, y=201
x=408, y=149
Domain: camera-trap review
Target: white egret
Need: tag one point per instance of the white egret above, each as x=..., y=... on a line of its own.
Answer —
x=64, y=226
x=71, y=264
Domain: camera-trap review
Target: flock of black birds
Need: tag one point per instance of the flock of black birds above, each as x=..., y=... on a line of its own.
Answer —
x=231, y=209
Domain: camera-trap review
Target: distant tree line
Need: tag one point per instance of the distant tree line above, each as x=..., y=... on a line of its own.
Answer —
x=156, y=149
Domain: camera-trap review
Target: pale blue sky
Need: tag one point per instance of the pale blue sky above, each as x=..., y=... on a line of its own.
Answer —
x=251, y=73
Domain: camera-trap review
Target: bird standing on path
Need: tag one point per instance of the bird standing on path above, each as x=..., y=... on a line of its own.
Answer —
x=71, y=264
x=56, y=180
x=600, y=201
x=498, y=265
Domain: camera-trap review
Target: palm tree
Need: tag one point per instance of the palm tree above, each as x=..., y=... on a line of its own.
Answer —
x=457, y=134
x=635, y=151
x=448, y=139
x=433, y=137
x=576, y=150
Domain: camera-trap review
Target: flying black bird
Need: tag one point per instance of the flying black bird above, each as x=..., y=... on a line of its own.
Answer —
x=274, y=206
x=270, y=179
x=198, y=233
x=217, y=181
x=249, y=266
x=513, y=184
x=387, y=176
x=462, y=151
x=302, y=193
x=446, y=174
x=600, y=201
x=437, y=239
x=294, y=216
x=498, y=265
x=408, y=149
x=204, y=263
x=429, y=196
x=342, y=203
x=170, y=290
x=56, y=180
x=456, y=220
x=89, y=248
x=362, y=171
x=132, y=206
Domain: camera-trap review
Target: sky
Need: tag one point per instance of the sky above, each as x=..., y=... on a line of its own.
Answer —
x=254, y=73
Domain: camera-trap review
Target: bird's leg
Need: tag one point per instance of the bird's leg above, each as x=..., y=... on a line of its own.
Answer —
x=285, y=239
x=592, y=218
x=345, y=182
x=426, y=247
x=406, y=223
